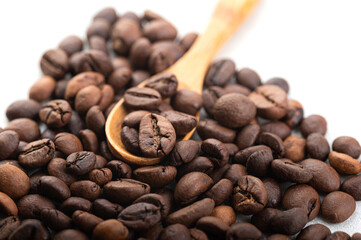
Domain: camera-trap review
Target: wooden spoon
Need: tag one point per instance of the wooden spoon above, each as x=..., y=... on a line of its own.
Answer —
x=189, y=70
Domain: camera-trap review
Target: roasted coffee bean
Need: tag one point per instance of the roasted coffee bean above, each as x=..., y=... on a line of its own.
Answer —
x=42, y=89
x=99, y=27
x=313, y=124
x=208, y=128
x=247, y=136
x=273, y=141
x=243, y=231
x=107, y=97
x=182, y=123
x=133, y=119
x=259, y=162
x=100, y=176
x=197, y=234
x=347, y=145
x=55, y=63
x=242, y=156
x=262, y=220
x=225, y=213
x=220, y=191
x=119, y=169
x=152, y=233
x=213, y=226
x=53, y=187
x=108, y=14
x=159, y=29
x=216, y=151
x=302, y=196
x=176, y=231
x=138, y=76
x=7, y=226
x=271, y=102
x=338, y=235
x=120, y=62
x=274, y=192
x=289, y=222
x=156, y=200
x=125, y=191
x=70, y=205
x=159, y=60
x=37, y=154
x=71, y=45
x=156, y=176
x=317, y=146
x=142, y=98
x=70, y=234
x=295, y=148
x=13, y=181
x=276, y=127
x=199, y=164
x=314, y=231
x=188, y=40
x=166, y=84
x=85, y=221
x=175, y=50
x=130, y=139
x=325, y=178
x=9, y=142
x=337, y=207
x=235, y=172
x=286, y=170
x=140, y=52
x=124, y=33
x=67, y=143
x=210, y=96
x=31, y=205
x=85, y=189
x=140, y=216
x=351, y=186
x=56, y=113
x=294, y=114
x=111, y=230
x=89, y=140
x=235, y=88
x=191, y=186
x=55, y=219
x=23, y=109
x=218, y=173
x=183, y=152
x=249, y=195
x=231, y=148
x=30, y=229
x=95, y=120
x=280, y=82
x=187, y=101
x=156, y=136
x=106, y=209
x=57, y=168
x=120, y=77
x=75, y=124
x=27, y=129
x=34, y=180
x=80, y=163
x=356, y=236
x=248, y=78
x=92, y=60
x=234, y=110
x=278, y=236
x=220, y=72
x=344, y=163
x=86, y=98
x=98, y=43
x=7, y=206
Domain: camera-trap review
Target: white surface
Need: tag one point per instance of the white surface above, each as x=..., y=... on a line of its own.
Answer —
x=315, y=45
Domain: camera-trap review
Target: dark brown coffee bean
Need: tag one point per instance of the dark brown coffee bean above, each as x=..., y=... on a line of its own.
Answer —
x=108, y=14
x=138, y=76
x=42, y=89
x=119, y=169
x=92, y=60
x=56, y=113
x=216, y=151
x=166, y=84
x=23, y=109
x=356, y=236
x=262, y=220
x=197, y=234
x=347, y=145
x=98, y=43
x=125, y=191
x=317, y=146
x=338, y=235
x=71, y=45
x=7, y=226
x=337, y=207
x=106, y=209
x=67, y=143
x=124, y=33
x=55, y=219
x=187, y=101
x=159, y=60
x=199, y=164
x=249, y=195
x=235, y=88
x=111, y=230
x=278, y=236
x=34, y=180
x=119, y=78
x=89, y=140
x=209, y=128
x=213, y=226
x=156, y=136
x=234, y=110
x=27, y=129
x=344, y=163
x=142, y=98
x=100, y=162
x=176, y=232
x=175, y=50
x=286, y=170
x=140, y=216
x=220, y=191
x=55, y=63
x=133, y=119
x=70, y=205
x=107, y=97
x=325, y=178
x=70, y=234
x=85, y=221
x=218, y=173
x=313, y=124
x=120, y=62
x=248, y=78
x=274, y=192
x=57, y=168
x=280, y=82
x=314, y=231
x=75, y=124
x=30, y=229
x=140, y=52
x=31, y=205
x=130, y=140
x=53, y=188
x=302, y=196
x=159, y=29
x=156, y=200
x=182, y=123
x=188, y=40
x=242, y=156
x=271, y=102
x=85, y=189
x=191, y=186
x=351, y=186
x=273, y=141
x=243, y=231
x=156, y=176
x=152, y=233
x=13, y=181
x=247, y=136
x=220, y=72
x=210, y=96
x=100, y=176
x=183, y=152
x=99, y=27
x=37, y=154
x=259, y=162
x=95, y=120
x=86, y=98
x=276, y=127
x=80, y=163
x=225, y=213
x=294, y=114
x=295, y=148
x=235, y=172
x=289, y=222
x=9, y=142
x=232, y=149
x=7, y=206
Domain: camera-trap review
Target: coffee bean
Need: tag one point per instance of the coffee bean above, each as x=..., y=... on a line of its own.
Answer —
x=213, y=226
x=9, y=142
x=317, y=146
x=120, y=77
x=344, y=163
x=166, y=84
x=182, y=123
x=37, y=154
x=248, y=78
x=7, y=226
x=159, y=29
x=100, y=176
x=188, y=40
x=314, y=231
x=244, y=231
x=56, y=113
x=130, y=139
x=99, y=27
x=220, y=191
x=156, y=136
x=70, y=205
x=183, y=152
x=289, y=222
x=280, y=82
x=152, y=233
x=108, y=14
x=67, y=143
x=119, y=169
x=232, y=149
x=133, y=119
x=218, y=173
x=220, y=72
x=125, y=191
x=53, y=188
x=85, y=189
x=243, y=155
x=86, y=98
x=313, y=124
x=356, y=236
x=273, y=141
x=191, y=186
x=235, y=172
x=276, y=127
x=27, y=129
x=157, y=200
x=286, y=170
x=176, y=231
x=13, y=181
x=98, y=43
x=159, y=60
x=55, y=219
x=107, y=97
x=225, y=213
x=89, y=140
x=249, y=195
x=156, y=176
x=42, y=89
x=85, y=221
x=235, y=88
x=338, y=235
x=124, y=33
x=140, y=52
x=347, y=145
x=31, y=205
x=209, y=128
x=7, y=206
x=95, y=120
x=278, y=236
x=197, y=234
x=140, y=216
x=80, y=163
x=325, y=178
x=234, y=110
x=142, y=98
x=337, y=207
x=216, y=151
x=23, y=109
x=199, y=164
x=274, y=192
x=55, y=63
x=259, y=162
x=351, y=186
x=106, y=209
x=111, y=230
x=247, y=136
x=263, y=219
x=210, y=96
x=57, y=168
x=70, y=234
x=71, y=45
x=187, y=101
x=30, y=229
x=295, y=148
x=138, y=76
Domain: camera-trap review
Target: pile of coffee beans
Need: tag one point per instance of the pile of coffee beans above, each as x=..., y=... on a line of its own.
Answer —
x=259, y=157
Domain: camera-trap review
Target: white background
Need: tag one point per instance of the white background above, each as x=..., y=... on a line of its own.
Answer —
x=315, y=45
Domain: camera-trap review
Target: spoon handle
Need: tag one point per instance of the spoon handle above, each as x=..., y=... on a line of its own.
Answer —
x=227, y=17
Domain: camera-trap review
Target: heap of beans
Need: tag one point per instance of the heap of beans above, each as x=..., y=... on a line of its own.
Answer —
x=59, y=180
